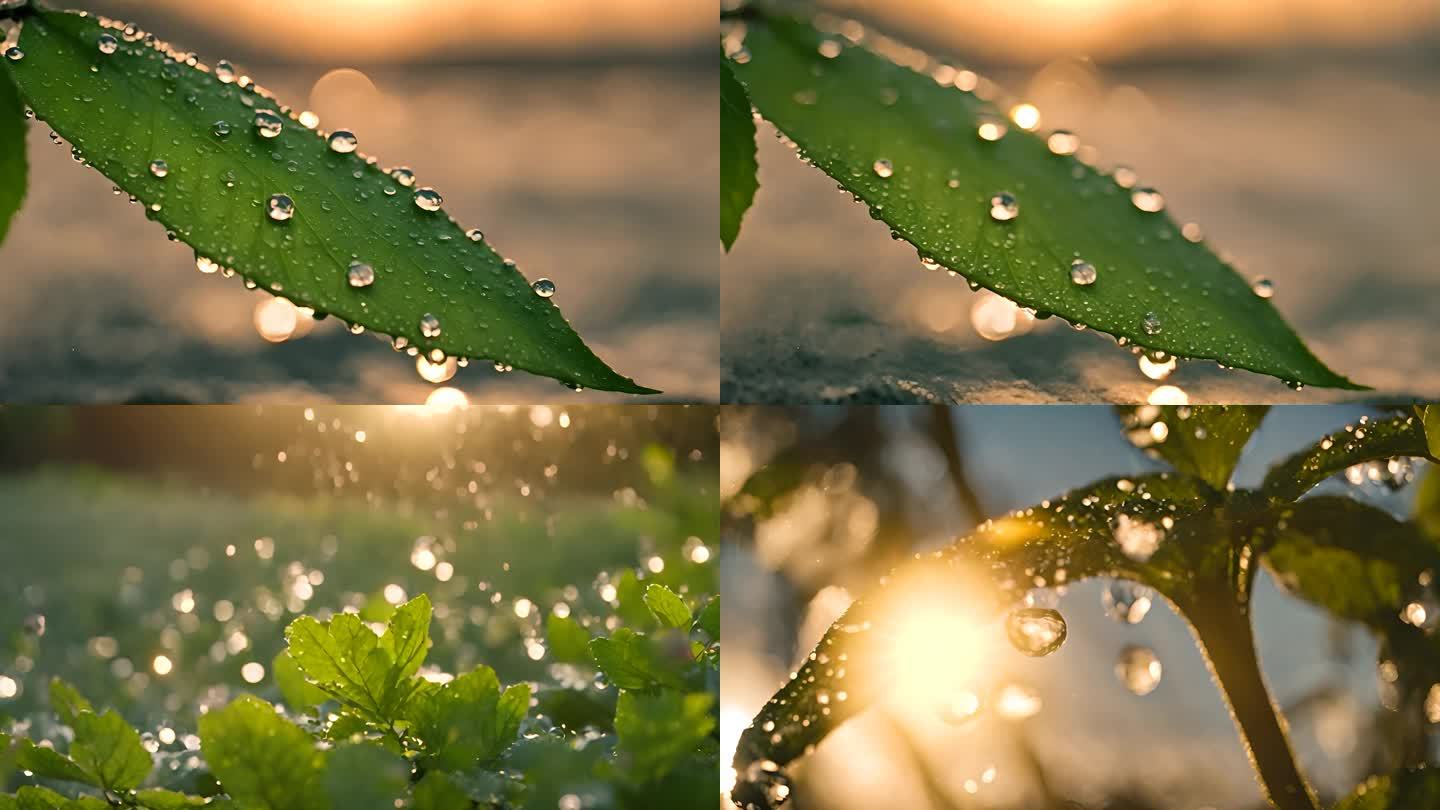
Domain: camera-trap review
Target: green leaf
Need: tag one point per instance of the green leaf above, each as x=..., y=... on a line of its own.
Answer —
x=13, y=127
x=364, y=776
x=67, y=702
x=51, y=764
x=658, y=731
x=157, y=799
x=263, y=761
x=108, y=749
x=300, y=695
x=738, y=167
x=437, y=792
x=1427, y=503
x=569, y=642
x=348, y=661
x=125, y=110
x=708, y=622
x=1367, y=440
x=468, y=720
x=667, y=607
x=39, y=798
x=1203, y=441
x=1403, y=790
x=1154, y=288
x=630, y=595
x=629, y=660
x=1431, y=420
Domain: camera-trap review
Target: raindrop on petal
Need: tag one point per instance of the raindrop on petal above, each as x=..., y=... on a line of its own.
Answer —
x=1151, y=323
x=403, y=176
x=1126, y=602
x=475, y=235
x=224, y=71
x=1063, y=142
x=14, y=54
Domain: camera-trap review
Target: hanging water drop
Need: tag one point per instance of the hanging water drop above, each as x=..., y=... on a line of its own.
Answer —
x=268, y=123
x=1126, y=602
x=360, y=274
x=280, y=207
x=428, y=199
x=430, y=326
x=343, y=141
x=159, y=168
x=1139, y=669
x=1151, y=323
x=543, y=287
x=1263, y=287
x=1083, y=273
x=1148, y=200
x=1036, y=632
x=883, y=168
x=108, y=44
x=1004, y=207
x=205, y=265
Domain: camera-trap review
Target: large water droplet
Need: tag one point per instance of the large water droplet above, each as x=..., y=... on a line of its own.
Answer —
x=360, y=274
x=1139, y=669
x=221, y=129
x=991, y=127
x=1151, y=323
x=268, y=123
x=108, y=44
x=1137, y=539
x=430, y=326
x=206, y=266
x=224, y=71
x=1263, y=287
x=1148, y=200
x=1063, y=142
x=14, y=54
x=1083, y=273
x=428, y=199
x=1004, y=207
x=403, y=176
x=343, y=141
x=883, y=168
x=1124, y=601
x=475, y=235
x=159, y=168
x=280, y=207
x=1036, y=631
x=543, y=287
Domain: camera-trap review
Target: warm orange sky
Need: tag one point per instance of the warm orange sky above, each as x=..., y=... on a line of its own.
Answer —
x=376, y=30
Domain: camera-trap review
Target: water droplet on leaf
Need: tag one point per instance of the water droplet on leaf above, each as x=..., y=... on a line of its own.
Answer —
x=883, y=168
x=543, y=287
x=280, y=207
x=159, y=168
x=428, y=199
x=1148, y=200
x=1083, y=273
x=343, y=141
x=1004, y=207
x=268, y=123
x=360, y=274
x=108, y=44
x=430, y=326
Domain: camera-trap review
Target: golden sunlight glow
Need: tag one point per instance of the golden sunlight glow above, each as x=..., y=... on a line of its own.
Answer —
x=447, y=399
x=277, y=320
x=1025, y=116
x=997, y=318
x=1168, y=395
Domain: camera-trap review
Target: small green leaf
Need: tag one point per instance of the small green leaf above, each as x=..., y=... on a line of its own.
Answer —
x=468, y=720
x=364, y=776
x=1431, y=421
x=108, y=749
x=569, y=642
x=738, y=166
x=1205, y=441
x=346, y=660
x=907, y=146
x=630, y=595
x=667, y=607
x=437, y=792
x=51, y=764
x=263, y=761
x=708, y=622
x=157, y=799
x=67, y=702
x=40, y=798
x=1403, y=790
x=13, y=127
x=1367, y=440
x=659, y=731
x=628, y=659
x=135, y=106
x=300, y=695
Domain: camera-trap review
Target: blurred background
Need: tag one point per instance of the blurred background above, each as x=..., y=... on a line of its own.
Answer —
x=579, y=136
x=820, y=502
x=154, y=555
x=1296, y=133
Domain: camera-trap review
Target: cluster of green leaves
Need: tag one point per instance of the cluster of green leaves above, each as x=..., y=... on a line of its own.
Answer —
x=901, y=138
x=135, y=100
x=360, y=727
x=1349, y=558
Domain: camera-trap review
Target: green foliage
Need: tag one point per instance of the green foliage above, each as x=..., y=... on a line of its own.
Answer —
x=569, y=642
x=660, y=731
x=143, y=103
x=738, y=166
x=468, y=720
x=667, y=607
x=1183, y=533
x=365, y=776
x=263, y=761
x=368, y=674
x=1415, y=788
x=906, y=145
x=13, y=167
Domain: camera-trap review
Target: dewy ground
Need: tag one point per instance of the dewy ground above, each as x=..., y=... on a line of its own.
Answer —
x=599, y=177
x=1313, y=174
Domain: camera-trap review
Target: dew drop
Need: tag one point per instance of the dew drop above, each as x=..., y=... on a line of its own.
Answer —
x=206, y=266
x=1151, y=323
x=428, y=199
x=280, y=207
x=829, y=48
x=224, y=71
x=1156, y=369
x=1083, y=273
x=1137, y=539
x=1263, y=287
x=343, y=141
x=1138, y=669
x=543, y=287
x=221, y=129
x=475, y=235
x=1126, y=602
x=14, y=54
x=1063, y=142
x=159, y=168
x=360, y=274
x=430, y=326
x=991, y=127
x=1004, y=207
x=108, y=44
x=403, y=176
x=883, y=168
x=1036, y=632
x=1125, y=176
x=1148, y=200
x=268, y=123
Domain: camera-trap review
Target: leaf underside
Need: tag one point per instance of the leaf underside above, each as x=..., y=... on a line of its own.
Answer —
x=12, y=152
x=851, y=111
x=738, y=166
x=124, y=110
x=1204, y=442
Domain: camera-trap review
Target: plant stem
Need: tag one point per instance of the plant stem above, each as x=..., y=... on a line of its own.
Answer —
x=1222, y=628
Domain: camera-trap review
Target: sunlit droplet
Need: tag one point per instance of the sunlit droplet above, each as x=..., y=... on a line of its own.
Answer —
x=159, y=168
x=224, y=71
x=1263, y=287
x=991, y=127
x=162, y=665
x=1138, y=669
x=1148, y=200
x=428, y=199
x=1082, y=273
x=1017, y=701
x=960, y=708
x=206, y=266
x=1025, y=116
x=1003, y=206
x=1155, y=369
x=268, y=123
x=475, y=235
x=360, y=274
x=14, y=54
x=436, y=371
x=543, y=287
x=403, y=176
x=1036, y=631
x=1063, y=142
x=108, y=44
x=1151, y=323
x=280, y=207
x=1126, y=602
x=883, y=168
x=253, y=672
x=430, y=326
x=343, y=141
x=829, y=48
